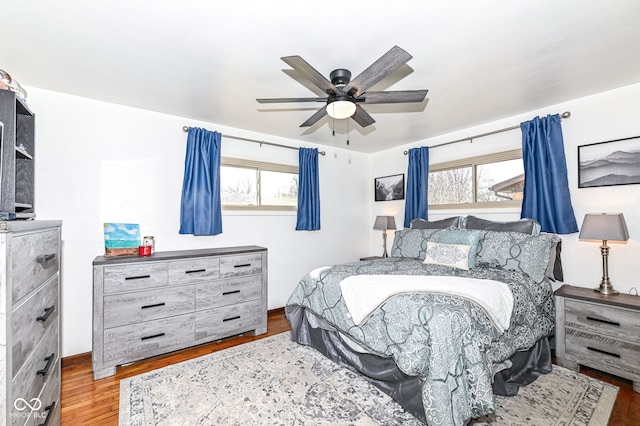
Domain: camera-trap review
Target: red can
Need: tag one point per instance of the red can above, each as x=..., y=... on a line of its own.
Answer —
x=144, y=250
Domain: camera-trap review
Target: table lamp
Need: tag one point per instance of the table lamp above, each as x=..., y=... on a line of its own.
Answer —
x=383, y=223
x=605, y=227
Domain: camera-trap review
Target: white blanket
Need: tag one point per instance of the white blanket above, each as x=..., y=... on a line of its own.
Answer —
x=363, y=294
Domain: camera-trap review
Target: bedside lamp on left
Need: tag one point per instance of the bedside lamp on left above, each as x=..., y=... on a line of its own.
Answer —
x=384, y=223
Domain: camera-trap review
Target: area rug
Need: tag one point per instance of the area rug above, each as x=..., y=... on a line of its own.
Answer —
x=274, y=381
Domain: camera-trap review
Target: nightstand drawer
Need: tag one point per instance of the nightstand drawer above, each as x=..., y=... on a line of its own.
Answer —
x=605, y=320
x=597, y=350
x=228, y=292
x=139, y=306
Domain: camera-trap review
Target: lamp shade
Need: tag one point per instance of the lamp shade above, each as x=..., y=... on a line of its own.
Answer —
x=385, y=222
x=341, y=109
x=604, y=226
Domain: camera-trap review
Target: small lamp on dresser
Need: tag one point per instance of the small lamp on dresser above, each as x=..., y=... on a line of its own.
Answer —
x=384, y=223
x=604, y=227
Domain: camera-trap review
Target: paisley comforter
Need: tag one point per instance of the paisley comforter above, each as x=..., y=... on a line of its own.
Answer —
x=448, y=341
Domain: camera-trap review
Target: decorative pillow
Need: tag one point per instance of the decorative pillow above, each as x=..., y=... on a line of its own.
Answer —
x=412, y=243
x=437, y=224
x=516, y=251
x=525, y=226
x=460, y=236
x=454, y=255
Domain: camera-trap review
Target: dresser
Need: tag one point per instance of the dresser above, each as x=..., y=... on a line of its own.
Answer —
x=599, y=331
x=30, y=322
x=145, y=306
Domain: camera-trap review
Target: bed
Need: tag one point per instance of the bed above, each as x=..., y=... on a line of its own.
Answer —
x=462, y=309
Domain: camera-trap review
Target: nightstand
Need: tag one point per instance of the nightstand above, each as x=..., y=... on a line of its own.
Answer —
x=371, y=257
x=599, y=331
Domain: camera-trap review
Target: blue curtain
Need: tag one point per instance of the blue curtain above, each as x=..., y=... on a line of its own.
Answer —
x=417, y=200
x=201, y=209
x=546, y=189
x=308, y=191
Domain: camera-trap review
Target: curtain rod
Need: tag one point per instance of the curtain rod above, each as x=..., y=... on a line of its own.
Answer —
x=565, y=114
x=186, y=129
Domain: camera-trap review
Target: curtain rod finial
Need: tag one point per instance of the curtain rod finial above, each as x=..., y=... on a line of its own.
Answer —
x=185, y=128
x=565, y=114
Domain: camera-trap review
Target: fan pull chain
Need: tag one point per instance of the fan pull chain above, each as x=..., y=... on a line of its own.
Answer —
x=347, y=131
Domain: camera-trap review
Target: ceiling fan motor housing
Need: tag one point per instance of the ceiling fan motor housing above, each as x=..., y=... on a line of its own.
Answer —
x=340, y=77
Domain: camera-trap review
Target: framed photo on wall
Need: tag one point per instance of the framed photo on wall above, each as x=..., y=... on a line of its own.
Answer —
x=388, y=188
x=615, y=162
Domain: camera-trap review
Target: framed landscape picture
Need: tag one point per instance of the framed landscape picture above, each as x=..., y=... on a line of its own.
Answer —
x=608, y=163
x=388, y=188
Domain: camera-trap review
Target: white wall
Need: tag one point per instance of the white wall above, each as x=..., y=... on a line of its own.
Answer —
x=606, y=116
x=98, y=162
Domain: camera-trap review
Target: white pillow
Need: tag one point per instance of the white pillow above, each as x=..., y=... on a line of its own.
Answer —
x=453, y=255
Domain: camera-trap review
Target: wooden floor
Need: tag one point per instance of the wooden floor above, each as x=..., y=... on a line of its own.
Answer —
x=89, y=402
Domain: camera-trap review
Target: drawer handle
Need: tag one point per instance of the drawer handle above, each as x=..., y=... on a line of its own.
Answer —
x=153, y=336
x=603, y=352
x=195, y=271
x=226, y=293
x=155, y=305
x=242, y=265
x=47, y=313
x=45, y=370
x=617, y=324
x=231, y=319
x=137, y=277
x=44, y=258
x=49, y=409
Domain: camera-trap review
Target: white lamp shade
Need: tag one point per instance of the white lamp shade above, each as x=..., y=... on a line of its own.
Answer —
x=341, y=109
x=604, y=226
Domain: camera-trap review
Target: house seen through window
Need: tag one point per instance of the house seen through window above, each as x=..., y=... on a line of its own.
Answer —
x=485, y=181
x=256, y=185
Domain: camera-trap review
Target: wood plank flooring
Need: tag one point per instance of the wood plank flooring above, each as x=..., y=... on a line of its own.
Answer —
x=88, y=402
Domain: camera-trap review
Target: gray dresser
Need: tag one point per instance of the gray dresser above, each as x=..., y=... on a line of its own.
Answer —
x=599, y=331
x=147, y=306
x=30, y=322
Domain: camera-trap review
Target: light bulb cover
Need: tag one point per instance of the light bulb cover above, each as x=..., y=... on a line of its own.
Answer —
x=341, y=109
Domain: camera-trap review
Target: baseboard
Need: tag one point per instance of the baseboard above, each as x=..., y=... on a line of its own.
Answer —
x=71, y=360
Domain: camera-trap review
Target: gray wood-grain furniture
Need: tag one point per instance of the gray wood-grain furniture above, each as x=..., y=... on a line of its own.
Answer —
x=16, y=158
x=151, y=305
x=599, y=331
x=30, y=322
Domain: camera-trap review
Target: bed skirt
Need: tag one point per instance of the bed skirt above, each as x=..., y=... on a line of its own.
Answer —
x=382, y=371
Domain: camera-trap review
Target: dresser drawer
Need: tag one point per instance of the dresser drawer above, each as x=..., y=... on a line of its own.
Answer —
x=228, y=292
x=194, y=270
x=136, y=276
x=138, y=306
x=34, y=259
x=597, y=350
x=245, y=264
x=49, y=411
x=42, y=364
x=122, y=344
x=606, y=320
x=30, y=321
x=224, y=321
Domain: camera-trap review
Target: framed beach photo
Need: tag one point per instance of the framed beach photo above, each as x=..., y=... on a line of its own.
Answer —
x=388, y=188
x=615, y=162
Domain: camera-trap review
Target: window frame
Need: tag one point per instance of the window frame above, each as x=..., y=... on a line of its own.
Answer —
x=259, y=166
x=472, y=162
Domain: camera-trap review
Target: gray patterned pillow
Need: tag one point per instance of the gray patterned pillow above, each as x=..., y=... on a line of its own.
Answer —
x=516, y=251
x=412, y=243
x=461, y=236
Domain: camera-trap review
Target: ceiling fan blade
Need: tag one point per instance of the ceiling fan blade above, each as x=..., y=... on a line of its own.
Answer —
x=362, y=117
x=388, y=63
x=315, y=117
x=311, y=74
x=284, y=100
x=393, y=97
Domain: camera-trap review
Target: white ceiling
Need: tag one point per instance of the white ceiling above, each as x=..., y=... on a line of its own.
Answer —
x=209, y=60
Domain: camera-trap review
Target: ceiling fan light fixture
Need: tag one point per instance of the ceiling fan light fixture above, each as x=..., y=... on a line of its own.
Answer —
x=341, y=109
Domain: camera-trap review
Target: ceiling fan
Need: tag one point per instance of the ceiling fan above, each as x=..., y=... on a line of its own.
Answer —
x=345, y=96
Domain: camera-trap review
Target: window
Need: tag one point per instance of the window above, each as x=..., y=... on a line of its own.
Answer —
x=495, y=180
x=256, y=185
